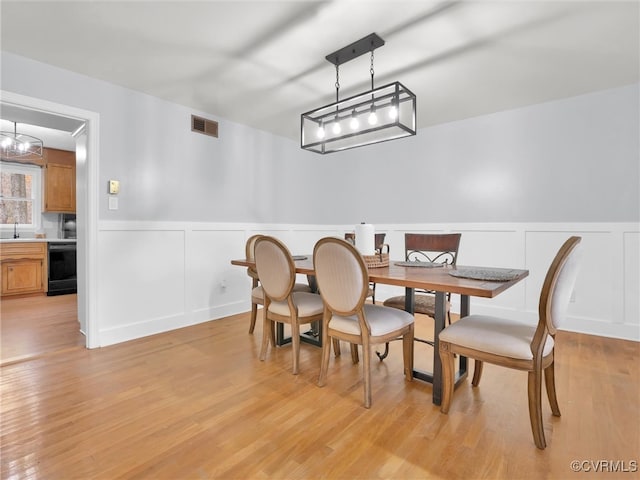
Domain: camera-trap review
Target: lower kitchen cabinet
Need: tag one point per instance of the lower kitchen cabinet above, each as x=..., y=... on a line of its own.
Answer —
x=24, y=268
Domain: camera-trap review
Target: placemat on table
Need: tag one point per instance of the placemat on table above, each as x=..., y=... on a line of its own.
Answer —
x=489, y=274
x=419, y=264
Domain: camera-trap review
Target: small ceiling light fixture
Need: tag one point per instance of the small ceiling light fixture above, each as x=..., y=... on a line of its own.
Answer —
x=18, y=145
x=389, y=112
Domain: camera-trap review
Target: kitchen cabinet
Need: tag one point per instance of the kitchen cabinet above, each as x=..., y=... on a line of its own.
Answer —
x=59, y=183
x=23, y=268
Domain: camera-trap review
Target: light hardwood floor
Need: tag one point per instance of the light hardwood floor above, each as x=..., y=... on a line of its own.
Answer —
x=38, y=325
x=197, y=403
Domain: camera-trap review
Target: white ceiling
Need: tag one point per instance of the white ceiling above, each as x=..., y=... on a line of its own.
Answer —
x=261, y=63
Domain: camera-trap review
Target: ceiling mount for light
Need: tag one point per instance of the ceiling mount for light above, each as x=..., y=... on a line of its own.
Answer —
x=377, y=115
x=14, y=145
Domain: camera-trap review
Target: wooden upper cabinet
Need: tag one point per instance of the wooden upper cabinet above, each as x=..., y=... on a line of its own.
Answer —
x=59, y=181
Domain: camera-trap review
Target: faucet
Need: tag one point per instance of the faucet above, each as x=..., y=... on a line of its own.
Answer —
x=15, y=230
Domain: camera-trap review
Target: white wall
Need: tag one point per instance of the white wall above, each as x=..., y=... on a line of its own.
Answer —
x=574, y=160
x=568, y=166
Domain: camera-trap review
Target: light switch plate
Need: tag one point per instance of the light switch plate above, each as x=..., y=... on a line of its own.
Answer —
x=113, y=203
x=114, y=187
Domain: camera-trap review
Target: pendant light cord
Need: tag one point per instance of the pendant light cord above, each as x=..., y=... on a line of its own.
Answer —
x=371, y=70
x=337, y=82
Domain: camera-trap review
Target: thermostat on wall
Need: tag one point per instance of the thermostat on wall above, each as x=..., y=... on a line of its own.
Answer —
x=114, y=187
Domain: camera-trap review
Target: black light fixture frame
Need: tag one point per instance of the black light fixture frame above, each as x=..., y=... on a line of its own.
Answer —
x=388, y=96
x=356, y=49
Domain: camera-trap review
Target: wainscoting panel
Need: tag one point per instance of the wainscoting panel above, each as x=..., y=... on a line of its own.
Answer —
x=161, y=276
x=213, y=286
x=141, y=282
x=592, y=300
x=631, y=278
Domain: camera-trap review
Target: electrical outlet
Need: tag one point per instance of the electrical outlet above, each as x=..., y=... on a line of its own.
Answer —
x=223, y=283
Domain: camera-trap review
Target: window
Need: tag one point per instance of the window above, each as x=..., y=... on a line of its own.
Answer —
x=20, y=195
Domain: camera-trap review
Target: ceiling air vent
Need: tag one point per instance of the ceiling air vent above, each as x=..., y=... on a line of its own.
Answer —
x=204, y=126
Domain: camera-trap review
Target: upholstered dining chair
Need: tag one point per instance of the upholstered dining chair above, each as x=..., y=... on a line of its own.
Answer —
x=257, y=294
x=277, y=273
x=426, y=247
x=380, y=247
x=516, y=344
x=343, y=280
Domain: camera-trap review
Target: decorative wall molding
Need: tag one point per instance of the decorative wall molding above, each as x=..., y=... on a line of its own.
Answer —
x=158, y=276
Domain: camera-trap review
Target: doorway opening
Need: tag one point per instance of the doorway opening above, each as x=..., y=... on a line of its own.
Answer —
x=84, y=126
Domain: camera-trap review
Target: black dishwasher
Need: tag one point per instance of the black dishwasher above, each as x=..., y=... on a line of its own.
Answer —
x=62, y=268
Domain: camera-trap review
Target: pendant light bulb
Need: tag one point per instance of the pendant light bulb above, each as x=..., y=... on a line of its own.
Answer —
x=355, y=123
x=373, y=118
x=336, y=127
x=393, y=111
x=320, y=132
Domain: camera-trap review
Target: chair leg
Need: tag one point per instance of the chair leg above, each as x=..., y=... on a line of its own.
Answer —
x=407, y=353
x=354, y=353
x=550, y=383
x=336, y=346
x=366, y=360
x=267, y=333
x=477, y=372
x=254, y=315
x=272, y=333
x=535, y=408
x=448, y=371
x=373, y=297
x=295, y=343
x=326, y=352
x=384, y=355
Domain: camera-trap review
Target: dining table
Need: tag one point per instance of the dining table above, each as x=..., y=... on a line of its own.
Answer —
x=466, y=281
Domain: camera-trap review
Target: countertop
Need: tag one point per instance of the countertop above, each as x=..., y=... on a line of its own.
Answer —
x=32, y=240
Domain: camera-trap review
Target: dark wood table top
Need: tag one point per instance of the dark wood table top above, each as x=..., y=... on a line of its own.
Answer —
x=436, y=279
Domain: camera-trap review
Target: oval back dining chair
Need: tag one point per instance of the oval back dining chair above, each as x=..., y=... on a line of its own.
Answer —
x=282, y=303
x=379, y=250
x=516, y=344
x=257, y=295
x=343, y=281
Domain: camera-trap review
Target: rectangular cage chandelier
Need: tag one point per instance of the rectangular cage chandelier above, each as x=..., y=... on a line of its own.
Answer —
x=377, y=115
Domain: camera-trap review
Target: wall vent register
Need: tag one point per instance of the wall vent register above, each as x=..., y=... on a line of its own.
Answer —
x=204, y=126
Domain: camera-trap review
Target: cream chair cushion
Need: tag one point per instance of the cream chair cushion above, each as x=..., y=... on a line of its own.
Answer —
x=257, y=294
x=382, y=320
x=500, y=336
x=425, y=304
x=308, y=304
